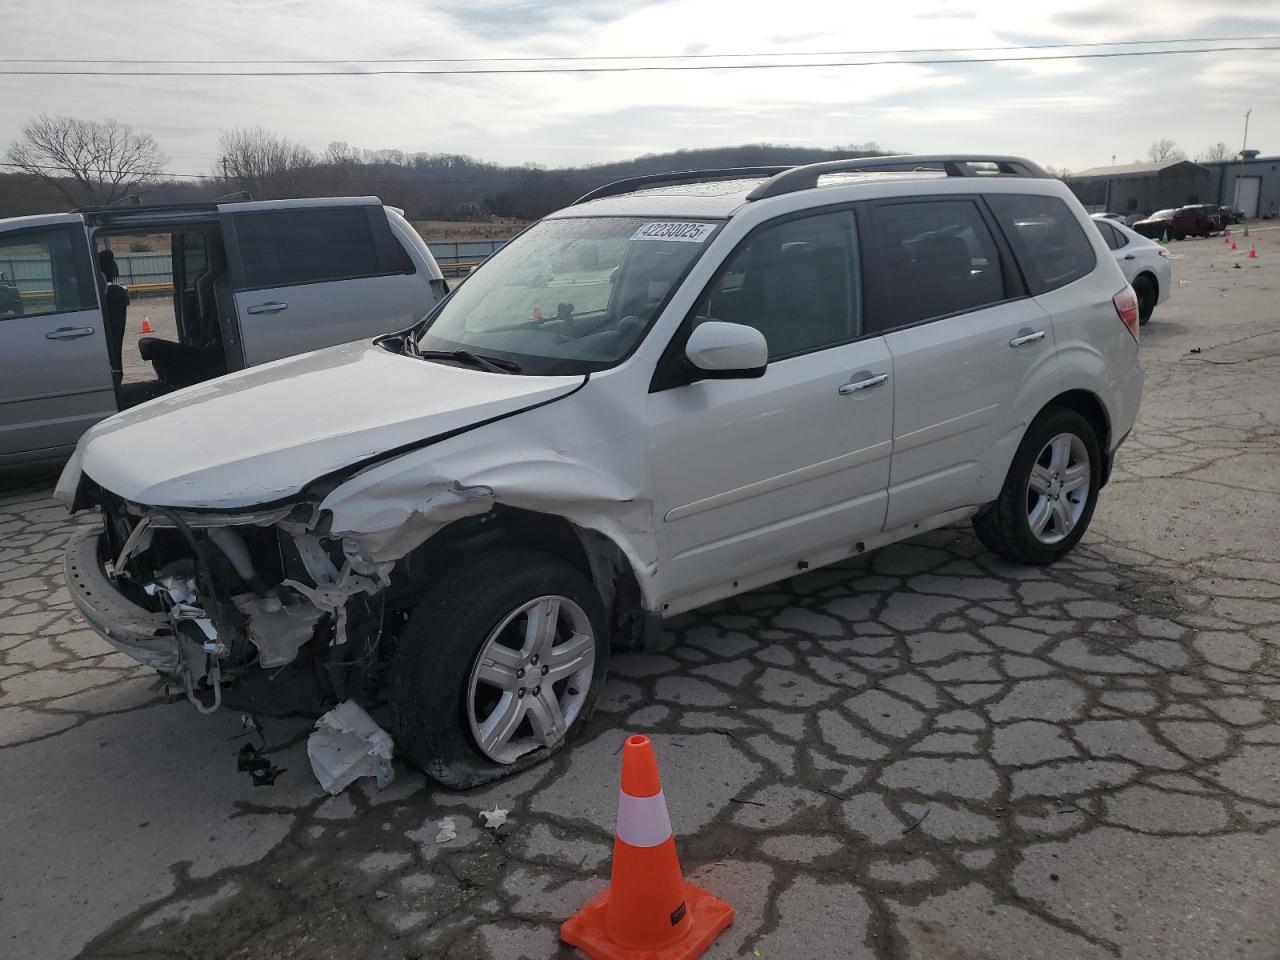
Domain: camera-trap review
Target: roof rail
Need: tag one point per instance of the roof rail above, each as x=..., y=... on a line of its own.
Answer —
x=953, y=165
x=680, y=176
x=144, y=207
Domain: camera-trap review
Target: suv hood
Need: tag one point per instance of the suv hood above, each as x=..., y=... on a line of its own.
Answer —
x=263, y=434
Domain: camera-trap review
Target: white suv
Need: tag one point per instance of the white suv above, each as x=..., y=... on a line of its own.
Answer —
x=678, y=389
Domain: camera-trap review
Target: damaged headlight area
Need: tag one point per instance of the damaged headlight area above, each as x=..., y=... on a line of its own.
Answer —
x=204, y=597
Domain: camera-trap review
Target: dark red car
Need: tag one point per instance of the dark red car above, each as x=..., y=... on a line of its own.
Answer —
x=1197, y=220
x=1193, y=220
x=1157, y=225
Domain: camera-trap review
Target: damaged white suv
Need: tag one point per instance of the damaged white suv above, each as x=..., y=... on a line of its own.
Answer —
x=675, y=390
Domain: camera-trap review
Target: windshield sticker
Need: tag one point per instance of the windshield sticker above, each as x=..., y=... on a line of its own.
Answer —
x=668, y=230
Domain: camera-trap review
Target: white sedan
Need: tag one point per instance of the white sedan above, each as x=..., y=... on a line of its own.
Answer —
x=1145, y=264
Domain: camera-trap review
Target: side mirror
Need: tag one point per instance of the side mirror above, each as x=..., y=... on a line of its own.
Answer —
x=727, y=351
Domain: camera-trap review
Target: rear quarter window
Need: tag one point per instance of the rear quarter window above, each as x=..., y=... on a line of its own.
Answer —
x=1047, y=239
x=279, y=248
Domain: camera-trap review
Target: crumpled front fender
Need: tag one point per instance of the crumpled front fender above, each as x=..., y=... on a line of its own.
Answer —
x=393, y=507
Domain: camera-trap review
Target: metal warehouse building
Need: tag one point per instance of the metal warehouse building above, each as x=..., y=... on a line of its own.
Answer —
x=1252, y=184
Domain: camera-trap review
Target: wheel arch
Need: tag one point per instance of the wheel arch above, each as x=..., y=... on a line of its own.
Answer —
x=1090, y=406
x=601, y=558
x=1149, y=275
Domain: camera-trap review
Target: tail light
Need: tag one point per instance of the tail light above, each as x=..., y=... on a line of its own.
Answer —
x=1126, y=303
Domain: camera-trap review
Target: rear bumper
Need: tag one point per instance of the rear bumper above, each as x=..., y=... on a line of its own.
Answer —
x=1126, y=396
x=1109, y=460
x=142, y=634
x=1164, y=280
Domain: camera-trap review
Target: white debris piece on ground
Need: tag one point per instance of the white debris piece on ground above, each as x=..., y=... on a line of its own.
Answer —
x=347, y=744
x=447, y=831
x=494, y=818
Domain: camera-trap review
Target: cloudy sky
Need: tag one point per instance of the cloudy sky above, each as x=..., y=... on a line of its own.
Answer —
x=1070, y=113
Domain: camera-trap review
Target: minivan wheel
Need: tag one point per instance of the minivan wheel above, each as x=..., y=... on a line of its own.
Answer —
x=1145, y=291
x=1049, y=494
x=498, y=667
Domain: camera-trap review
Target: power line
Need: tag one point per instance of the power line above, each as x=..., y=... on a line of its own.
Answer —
x=635, y=68
x=646, y=56
x=364, y=176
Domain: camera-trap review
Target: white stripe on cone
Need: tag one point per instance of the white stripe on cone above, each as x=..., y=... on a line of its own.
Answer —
x=643, y=821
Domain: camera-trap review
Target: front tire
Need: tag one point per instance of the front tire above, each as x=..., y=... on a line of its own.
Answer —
x=499, y=667
x=1049, y=494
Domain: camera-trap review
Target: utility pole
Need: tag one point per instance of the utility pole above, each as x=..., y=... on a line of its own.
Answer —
x=1109, y=179
x=1240, y=178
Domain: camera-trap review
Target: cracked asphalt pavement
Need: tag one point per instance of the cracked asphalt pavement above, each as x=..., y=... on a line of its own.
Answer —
x=926, y=753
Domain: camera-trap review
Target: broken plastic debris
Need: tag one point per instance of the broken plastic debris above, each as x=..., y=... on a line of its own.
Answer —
x=494, y=818
x=347, y=745
x=179, y=590
x=447, y=831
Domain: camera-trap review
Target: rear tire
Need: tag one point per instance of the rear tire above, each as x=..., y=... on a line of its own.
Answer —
x=445, y=699
x=1059, y=455
x=1145, y=289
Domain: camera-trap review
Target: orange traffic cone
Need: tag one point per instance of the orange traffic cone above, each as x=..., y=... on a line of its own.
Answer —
x=1226, y=237
x=1253, y=251
x=649, y=912
x=1233, y=245
x=146, y=324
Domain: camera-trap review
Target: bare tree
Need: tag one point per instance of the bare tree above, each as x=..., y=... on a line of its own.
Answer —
x=87, y=161
x=1165, y=149
x=1218, y=152
x=265, y=163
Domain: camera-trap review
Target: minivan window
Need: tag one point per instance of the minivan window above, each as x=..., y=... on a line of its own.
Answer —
x=1046, y=237
x=795, y=282
x=939, y=258
x=570, y=294
x=279, y=248
x=39, y=274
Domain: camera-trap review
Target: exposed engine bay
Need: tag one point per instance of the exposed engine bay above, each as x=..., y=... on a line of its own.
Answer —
x=240, y=591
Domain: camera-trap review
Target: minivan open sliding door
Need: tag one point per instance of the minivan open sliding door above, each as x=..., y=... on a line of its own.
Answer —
x=313, y=273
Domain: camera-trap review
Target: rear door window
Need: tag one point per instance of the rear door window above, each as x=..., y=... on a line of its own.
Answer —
x=1114, y=238
x=1046, y=238
x=280, y=248
x=938, y=257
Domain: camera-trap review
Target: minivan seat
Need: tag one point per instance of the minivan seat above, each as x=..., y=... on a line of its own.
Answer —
x=182, y=364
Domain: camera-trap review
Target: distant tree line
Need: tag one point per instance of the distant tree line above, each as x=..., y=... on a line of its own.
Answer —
x=59, y=162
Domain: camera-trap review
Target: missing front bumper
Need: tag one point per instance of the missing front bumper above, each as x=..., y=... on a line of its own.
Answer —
x=144, y=635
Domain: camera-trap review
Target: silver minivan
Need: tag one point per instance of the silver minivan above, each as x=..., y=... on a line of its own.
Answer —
x=252, y=282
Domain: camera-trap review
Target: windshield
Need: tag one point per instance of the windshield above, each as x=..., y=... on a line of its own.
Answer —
x=569, y=295
x=1162, y=215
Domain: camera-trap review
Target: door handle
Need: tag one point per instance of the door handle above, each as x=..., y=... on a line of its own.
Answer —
x=69, y=333
x=271, y=306
x=856, y=385
x=1023, y=339
x=1129, y=256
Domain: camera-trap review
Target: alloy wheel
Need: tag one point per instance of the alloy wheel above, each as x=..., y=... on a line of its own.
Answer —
x=531, y=678
x=1058, y=488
